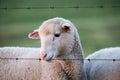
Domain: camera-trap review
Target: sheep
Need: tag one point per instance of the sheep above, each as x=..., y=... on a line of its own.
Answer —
x=103, y=69
x=19, y=69
x=16, y=52
x=61, y=55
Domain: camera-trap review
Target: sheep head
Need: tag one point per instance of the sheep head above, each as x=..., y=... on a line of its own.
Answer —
x=57, y=38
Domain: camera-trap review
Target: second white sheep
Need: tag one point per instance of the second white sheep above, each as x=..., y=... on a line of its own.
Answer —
x=103, y=64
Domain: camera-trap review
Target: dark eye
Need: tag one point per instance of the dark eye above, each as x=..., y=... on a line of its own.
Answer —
x=57, y=34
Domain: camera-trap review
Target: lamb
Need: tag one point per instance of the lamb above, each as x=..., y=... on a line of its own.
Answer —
x=61, y=55
x=104, y=70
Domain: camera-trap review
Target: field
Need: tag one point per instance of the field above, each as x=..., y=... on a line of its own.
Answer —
x=98, y=27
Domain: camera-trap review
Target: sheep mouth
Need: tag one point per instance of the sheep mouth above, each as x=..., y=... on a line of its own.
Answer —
x=50, y=58
x=45, y=57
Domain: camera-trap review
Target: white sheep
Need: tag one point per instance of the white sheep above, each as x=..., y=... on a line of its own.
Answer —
x=13, y=69
x=16, y=52
x=61, y=55
x=106, y=69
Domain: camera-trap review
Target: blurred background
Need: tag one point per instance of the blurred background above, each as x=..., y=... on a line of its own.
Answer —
x=98, y=27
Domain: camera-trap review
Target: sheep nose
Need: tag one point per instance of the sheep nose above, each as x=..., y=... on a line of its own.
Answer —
x=43, y=55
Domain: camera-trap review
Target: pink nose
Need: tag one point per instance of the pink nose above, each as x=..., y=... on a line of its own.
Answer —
x=43, y=56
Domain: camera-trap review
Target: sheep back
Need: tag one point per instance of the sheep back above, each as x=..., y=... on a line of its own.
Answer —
x=104, y=69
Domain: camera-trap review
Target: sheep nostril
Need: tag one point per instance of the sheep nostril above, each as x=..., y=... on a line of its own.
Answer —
x=43, y=56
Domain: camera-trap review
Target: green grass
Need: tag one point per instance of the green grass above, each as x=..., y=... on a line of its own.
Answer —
x=98, y=27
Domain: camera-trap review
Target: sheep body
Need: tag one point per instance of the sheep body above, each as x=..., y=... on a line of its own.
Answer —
x=19, y=69
x=27, y=69
x=104, y=70
x=59, y=41
x=16, y=52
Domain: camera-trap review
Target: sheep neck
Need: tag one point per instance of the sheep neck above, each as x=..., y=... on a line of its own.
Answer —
x=77, y=49
x=72, y=63
x=76, y=52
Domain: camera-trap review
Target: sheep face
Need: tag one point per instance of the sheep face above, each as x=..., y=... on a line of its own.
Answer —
x=56, y=36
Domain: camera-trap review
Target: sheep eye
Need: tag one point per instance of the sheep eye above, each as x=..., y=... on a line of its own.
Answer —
x=57, y=34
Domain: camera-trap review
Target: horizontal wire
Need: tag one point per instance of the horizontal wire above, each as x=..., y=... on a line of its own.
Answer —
x=102, y=59
x=60, y=59
x=54, y=7
x=20, y=58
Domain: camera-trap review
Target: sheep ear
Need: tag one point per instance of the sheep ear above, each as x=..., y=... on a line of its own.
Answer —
x=67, y=27
x=34, y=34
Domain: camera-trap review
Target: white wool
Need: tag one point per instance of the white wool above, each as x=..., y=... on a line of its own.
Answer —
x=17, y=52
x=103, y=69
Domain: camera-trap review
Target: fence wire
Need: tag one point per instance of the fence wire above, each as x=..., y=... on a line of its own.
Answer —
x=60, y=59
x=56, y=7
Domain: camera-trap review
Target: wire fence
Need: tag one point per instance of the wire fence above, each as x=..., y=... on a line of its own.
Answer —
x=56, y=7
x=60, y=59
